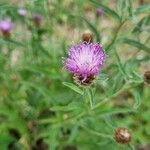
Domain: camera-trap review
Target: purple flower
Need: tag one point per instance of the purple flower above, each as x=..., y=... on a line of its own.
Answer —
x=22, y=12
x=99, y=12
x=6, y=27
x=85, y=61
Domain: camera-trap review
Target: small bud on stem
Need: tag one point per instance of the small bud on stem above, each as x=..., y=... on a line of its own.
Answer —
x=87, y=37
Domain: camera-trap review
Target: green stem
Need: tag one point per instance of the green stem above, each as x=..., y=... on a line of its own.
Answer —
x=90, y=95
x=88, y=98
x=125, y=87
x=115, y=36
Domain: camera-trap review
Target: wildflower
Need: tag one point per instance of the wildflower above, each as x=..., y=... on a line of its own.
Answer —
x=37, y=19
x=22, y=12
x=99, y=12
x=147, y=77
x=122, y=135
x=6, y=27
x=87, y=37
x=85, y=61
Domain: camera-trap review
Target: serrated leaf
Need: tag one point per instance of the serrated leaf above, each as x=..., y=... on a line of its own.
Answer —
x=73, y=87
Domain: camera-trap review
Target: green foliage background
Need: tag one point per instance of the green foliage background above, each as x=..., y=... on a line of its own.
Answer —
x=38, y=99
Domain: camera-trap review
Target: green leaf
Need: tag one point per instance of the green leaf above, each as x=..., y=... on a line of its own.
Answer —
x=120, y=66
x=64, y=108
x=74, y=133
x=145, y=21
x=107, y=10
x=125, y=8
x=137, y=94
x=136, y=44
x=73, y=87
x=143, y=9
x=116, y=111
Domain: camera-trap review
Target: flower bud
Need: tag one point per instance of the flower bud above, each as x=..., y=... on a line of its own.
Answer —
x=87, y=37
x=99, y=12
x=147, y=77
x=37, y=20
x=122, y=135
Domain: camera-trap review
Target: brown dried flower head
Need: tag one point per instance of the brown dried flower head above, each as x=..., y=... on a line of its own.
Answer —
x=87, y=37
x=122, y=135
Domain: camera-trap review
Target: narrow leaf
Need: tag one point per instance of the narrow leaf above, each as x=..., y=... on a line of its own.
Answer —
x=73, y=87
x=136, y=44
x=143, y=9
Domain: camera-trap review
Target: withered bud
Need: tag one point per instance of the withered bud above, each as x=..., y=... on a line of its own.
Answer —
x=147, y=77
x=122, y=135
x=87, y=37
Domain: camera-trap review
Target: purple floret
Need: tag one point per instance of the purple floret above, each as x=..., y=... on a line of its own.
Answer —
x=85, y=60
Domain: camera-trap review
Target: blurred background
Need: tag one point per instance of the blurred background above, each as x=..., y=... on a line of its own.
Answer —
x=39, y=108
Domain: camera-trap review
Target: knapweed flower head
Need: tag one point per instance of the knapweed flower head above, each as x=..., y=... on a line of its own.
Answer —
x=85, y=61
x=6, y=27
x=22, y=12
